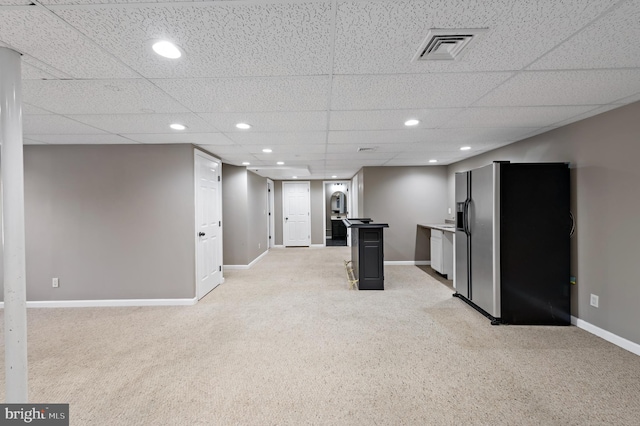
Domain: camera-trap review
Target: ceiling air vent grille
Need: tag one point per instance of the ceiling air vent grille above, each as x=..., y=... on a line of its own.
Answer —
x=366, y=149
x=446, y=45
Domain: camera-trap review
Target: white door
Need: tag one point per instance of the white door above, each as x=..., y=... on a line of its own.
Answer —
x=296, y=214
x=208, y=223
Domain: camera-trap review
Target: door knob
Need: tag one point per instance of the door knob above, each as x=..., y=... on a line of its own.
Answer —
x=201, y=234
x=286, y=218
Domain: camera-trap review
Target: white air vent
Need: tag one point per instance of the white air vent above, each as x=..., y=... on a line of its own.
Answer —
x=447, y=45
x=366, y=149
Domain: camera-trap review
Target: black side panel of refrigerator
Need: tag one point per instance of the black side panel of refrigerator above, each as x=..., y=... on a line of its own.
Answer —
x=535, y=247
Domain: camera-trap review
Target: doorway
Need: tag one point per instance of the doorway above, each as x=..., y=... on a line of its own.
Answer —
x=208, y=232
x=337, y=204
x=296, y=218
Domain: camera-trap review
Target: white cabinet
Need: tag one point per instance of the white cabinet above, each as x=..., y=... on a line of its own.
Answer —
x=442, y=252
x=436, y=250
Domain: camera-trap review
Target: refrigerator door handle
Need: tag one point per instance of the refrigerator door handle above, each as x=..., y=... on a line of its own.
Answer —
x=466, y=217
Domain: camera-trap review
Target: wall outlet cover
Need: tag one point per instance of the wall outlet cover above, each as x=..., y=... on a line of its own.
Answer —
x=595, y=300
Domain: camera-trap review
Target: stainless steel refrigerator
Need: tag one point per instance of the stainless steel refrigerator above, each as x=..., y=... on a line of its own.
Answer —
x=512, y=247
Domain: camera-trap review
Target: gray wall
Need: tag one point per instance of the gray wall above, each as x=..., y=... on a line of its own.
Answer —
x=235, y=215
x=317, y=212
x=277, y=207
x=258, y=240
x=404, y=197
x=244, y=205
x=110, y=221
x=605, y=184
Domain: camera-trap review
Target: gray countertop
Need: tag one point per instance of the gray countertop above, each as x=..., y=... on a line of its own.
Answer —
x=446, y=227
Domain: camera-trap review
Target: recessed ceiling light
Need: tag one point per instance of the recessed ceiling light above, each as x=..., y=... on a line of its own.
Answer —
x=412, y=122
x=334, y=176
x=243, y=126
x=177, y=126
x=166, y=49
x=280, y=163
x=267, y=150
x=246, y=163
x=433, y=161
x=465, y=148
x=295, y=177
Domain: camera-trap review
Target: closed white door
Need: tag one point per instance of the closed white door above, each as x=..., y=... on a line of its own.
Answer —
x=208, y=224
x=296, y=214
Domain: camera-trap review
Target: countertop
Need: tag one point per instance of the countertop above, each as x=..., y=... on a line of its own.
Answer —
x=363, y=223
x=446, y=227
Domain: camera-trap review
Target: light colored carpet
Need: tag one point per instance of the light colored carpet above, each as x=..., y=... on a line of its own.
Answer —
x=286, y=343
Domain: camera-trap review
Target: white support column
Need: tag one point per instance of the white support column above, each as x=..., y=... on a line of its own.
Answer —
x=12, y=165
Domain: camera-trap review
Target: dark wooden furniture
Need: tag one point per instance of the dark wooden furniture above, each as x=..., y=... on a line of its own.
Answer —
x=338, y=229
x=367, y=252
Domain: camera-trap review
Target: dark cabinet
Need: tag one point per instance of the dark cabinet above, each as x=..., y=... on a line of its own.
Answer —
x=338, y=229
x=367, y=253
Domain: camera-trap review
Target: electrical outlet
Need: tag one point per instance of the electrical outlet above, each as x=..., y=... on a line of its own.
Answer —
x=55, y=283
x=449, y=210
x=595, y=300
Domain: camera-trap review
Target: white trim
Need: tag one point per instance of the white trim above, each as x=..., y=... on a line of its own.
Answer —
x=407, y=262
x=607, y=335
x=317, y=245
x=249, y=266
x=107, y=303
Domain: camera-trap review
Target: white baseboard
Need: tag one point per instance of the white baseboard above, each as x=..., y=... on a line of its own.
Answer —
x=317, y=245
x=239, y=267
x=107, y=303
x=407, y=262
x=607, y=335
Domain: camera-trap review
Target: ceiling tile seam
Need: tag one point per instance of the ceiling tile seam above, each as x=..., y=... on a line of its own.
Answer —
x=334, y=19
x=555, y=123
x=575, y=33
x=46, y=10
x=80, y=122
x=26, y=55
x=115, y=58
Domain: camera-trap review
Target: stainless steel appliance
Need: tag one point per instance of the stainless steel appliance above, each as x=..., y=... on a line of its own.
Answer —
x=512, y=242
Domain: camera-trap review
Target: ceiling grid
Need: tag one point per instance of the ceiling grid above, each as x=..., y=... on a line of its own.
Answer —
x=318, y=79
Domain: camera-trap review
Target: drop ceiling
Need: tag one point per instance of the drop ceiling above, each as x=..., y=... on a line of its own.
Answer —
x=318, y=80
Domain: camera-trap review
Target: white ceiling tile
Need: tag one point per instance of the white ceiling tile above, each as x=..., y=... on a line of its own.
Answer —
x=52, y=124
x=383, y=36
x=356, y=157
x=279, y=150
x=60, y=139
x=98, y=96
x=146, y=123
x=278, y=138
x=515, y=116
x=339, y=164
x=193, y=138
x=30, y=72
x=412, y=91
x=564, y=88
x=250, y=94
x=230, y=150
x=616, y=35
x=350, y=148
x=390, y=119
x=268, y=121
x=30, y=109
x=40, y=34
x=219, y=39
x=15, y=2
